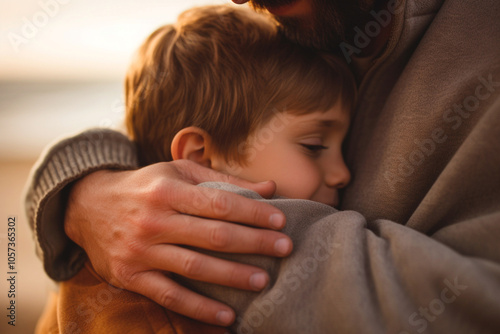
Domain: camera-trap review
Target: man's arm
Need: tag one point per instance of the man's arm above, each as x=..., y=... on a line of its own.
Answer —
x=129, y=222
x=48, y=186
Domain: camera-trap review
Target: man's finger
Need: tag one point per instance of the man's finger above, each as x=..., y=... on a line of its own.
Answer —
x=197, y=266
x=222, y=205
x=223, y=237
x=197, y=174
x=177, y=298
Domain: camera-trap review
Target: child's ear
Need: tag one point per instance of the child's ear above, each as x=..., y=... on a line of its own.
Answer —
x=192, y=143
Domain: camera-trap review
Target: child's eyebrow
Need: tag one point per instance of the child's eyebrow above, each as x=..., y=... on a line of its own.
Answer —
x=319, y=122
x=326, y=123
x=322, y=124
x=317, y=125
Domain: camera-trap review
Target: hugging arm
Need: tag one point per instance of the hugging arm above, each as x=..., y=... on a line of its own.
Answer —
x=129, y=222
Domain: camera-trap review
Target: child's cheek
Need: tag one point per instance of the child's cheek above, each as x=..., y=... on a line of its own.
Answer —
x=300, y=181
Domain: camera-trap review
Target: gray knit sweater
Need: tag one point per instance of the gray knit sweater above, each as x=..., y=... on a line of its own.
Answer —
x=416, y=248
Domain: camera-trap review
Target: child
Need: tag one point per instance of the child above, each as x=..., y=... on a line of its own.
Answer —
x=223, y=88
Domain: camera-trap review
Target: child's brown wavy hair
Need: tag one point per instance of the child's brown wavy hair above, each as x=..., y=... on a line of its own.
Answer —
x=227, y=71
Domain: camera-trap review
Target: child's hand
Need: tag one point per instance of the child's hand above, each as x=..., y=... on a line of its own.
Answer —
x=130, y=223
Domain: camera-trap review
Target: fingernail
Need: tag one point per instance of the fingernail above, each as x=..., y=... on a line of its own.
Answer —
x=276, y=221
x=258, y=281
x=282, y=246
x=224, y=317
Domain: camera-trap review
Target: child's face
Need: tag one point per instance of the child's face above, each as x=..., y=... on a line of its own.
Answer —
x=301, y=153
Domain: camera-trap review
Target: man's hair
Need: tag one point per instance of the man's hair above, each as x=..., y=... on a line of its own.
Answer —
x=227, y=71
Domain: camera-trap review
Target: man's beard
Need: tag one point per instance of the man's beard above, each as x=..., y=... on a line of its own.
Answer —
x=333, y=22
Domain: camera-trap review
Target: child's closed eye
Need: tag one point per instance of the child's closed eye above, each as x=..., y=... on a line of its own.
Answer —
x=314, y=149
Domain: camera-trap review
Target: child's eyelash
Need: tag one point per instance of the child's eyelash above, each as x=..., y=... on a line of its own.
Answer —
x=314, y=148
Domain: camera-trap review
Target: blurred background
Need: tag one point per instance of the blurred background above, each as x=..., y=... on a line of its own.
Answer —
x=62, y=63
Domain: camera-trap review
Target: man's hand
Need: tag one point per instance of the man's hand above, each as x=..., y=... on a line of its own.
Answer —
x=130, y=223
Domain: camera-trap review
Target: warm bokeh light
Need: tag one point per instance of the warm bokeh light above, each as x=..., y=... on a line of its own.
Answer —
x=78, y=40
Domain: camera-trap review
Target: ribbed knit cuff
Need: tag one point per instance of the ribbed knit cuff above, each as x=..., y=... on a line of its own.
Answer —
x=47, y=192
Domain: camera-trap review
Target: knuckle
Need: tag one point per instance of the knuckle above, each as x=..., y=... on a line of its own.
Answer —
x=185, y=168
x=192, y=266
x=134, y=249
x=199, y=199
x=219, y=237
x=255, y=212
x=122, y=267
x=199, y=311
x=142, y=224
x=221, y=205
x=121, y=275
x=157, y=190
x=181, y=164
x=146, y=226
x=169, y=298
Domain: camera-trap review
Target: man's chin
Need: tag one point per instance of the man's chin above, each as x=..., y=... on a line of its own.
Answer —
x=322, y=29
x=329, y=23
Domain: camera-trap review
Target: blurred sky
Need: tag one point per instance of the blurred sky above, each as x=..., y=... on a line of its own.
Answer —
x=78, y=39
x=62, y=64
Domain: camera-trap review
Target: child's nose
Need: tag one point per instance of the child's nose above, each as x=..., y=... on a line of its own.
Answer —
x=338, y=177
